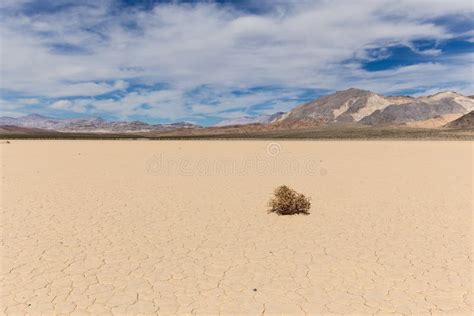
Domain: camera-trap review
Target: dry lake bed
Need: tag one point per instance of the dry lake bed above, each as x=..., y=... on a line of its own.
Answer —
x=180, y=227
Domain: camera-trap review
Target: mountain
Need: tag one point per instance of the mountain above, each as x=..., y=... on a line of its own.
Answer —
x=262, y=119
x=356, y=106
x=465, y=121
x=346, y=106
x=352, y=107
x=89, y=124
x=442, y=105
x=45, y=122
x=17, y=130
x=32, y=120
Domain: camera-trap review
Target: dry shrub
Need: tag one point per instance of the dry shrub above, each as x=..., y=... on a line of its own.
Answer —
x=288, y=202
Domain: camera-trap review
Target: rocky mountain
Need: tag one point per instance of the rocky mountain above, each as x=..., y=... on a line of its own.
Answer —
x=346, y=106
x=444, y=106
x=89, y=124
x=368, y=108
x=262, y=119
x=465, y=121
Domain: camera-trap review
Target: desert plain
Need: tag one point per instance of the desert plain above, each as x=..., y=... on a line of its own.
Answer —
x=180, y=227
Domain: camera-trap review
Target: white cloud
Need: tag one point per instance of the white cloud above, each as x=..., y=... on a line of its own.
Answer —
x=168, y=104
x=13, y=107
x=84, y=89
x=458, y=73
x=428, y=8
x=86, y=51
x=174, y=104
x=28, y=101
x=62, y=105
x=78, y=106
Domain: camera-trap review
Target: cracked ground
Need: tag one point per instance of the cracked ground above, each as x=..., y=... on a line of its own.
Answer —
x=149, y=227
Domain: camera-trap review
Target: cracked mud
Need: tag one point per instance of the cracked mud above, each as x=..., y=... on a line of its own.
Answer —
x=390, y=230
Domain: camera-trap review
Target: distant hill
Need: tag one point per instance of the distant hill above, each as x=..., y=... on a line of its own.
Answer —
x=368, y=108
x=465, y=121
x=346, y=106
x=89, y=124
x=421, y=109
x=352, y=107
x=18, y=130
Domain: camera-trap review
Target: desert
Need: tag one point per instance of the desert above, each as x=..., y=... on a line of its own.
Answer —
x=181, y=227
x=251, y=157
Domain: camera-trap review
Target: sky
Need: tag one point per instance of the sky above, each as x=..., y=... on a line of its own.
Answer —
x=206, y=61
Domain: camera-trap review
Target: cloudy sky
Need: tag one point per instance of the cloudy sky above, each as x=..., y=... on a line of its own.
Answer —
x=166, y=61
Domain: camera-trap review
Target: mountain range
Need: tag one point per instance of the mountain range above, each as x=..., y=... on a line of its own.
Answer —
x=342, y=108
x=89, y=124
x=362, y=107
x=368, y=108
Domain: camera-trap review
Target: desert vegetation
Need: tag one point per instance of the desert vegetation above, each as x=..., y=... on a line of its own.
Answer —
x=287, y=201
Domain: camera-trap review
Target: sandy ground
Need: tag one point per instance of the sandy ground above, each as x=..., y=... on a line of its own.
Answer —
x=181, y=227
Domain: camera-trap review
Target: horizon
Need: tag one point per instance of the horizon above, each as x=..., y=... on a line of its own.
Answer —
x=78, y=116
x=206, y=61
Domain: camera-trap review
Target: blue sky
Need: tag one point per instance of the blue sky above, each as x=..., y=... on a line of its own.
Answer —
x=205, y=61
